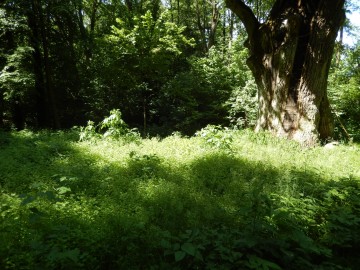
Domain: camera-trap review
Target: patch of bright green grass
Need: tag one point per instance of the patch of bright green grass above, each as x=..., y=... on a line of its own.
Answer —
x=177, y=203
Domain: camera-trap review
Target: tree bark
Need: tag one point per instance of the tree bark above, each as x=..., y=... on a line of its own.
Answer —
x=290, y=56
x=201, y=25
x=215, y=15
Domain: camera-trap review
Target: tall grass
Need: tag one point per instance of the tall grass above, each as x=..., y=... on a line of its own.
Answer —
x=220, y=200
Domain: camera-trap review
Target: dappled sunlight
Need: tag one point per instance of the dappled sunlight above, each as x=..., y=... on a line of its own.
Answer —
x=127, y=135
x=104, y=203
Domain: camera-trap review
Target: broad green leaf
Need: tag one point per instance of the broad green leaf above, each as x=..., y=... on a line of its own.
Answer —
x=179, y=255
x=165, y=244
x=189, y=248
x=176, y=246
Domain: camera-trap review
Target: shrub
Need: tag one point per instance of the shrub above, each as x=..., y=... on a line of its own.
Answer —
x=216, y=137
x=112, y=126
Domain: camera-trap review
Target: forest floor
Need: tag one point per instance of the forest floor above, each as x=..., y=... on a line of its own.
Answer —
x=220, y=200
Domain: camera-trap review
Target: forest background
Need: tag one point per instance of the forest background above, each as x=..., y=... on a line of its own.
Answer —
x=167, y=65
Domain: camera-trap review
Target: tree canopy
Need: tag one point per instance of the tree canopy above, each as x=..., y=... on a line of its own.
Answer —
x=174, y=65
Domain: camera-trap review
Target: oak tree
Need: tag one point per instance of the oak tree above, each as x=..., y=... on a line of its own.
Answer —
x=290, y=55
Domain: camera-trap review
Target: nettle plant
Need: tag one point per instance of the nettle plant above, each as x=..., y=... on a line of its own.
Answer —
x=216, y=137
x=88, y=133
x=112, y=126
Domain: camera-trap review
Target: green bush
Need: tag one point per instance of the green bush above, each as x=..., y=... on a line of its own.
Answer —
x=113, y=127
x=216, y=137
x=344, y=93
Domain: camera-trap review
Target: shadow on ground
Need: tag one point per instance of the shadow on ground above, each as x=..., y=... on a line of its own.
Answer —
x=65, y=208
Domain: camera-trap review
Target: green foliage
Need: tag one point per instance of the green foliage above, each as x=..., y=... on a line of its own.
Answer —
x=242, y=104
x=213, y=91
x=15, y=78
x=113, y=127
x=116, y=128
x=89, y=132
x=173, y=204
x=16, y=68
x=137, y=60
x=344, y=92
x=216, y=137
x=169, y=65
x=150, y=37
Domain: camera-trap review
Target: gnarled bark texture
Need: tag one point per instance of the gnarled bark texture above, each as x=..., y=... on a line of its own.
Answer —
x=290, y=56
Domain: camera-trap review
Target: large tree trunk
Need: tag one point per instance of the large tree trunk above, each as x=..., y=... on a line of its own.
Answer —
x=290, y=56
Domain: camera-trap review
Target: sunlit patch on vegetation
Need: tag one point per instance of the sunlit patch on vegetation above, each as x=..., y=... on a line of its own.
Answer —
x=177, y=203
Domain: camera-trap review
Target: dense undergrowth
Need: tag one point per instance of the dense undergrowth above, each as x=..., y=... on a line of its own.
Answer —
x=220, y=200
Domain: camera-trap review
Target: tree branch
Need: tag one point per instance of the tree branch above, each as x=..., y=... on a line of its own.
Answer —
x=277, y=8
x=245, y=14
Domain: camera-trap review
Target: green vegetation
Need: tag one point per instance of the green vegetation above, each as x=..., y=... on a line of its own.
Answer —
x=344, y=90
x=169, y=65
x=176, y=179
x=237, y=201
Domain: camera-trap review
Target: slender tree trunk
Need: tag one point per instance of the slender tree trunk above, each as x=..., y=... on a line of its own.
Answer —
x=340, y=46
x=94, y=8
x=144, y=115
x=46, y=100
x=178, y=11
x=290, y=56
x=47, y=70
x=18, y=114
x=231, y=29
x=201, y=26
x=171, y=10
x=80, y=10
x=213, y=24
x=2, y=124
x=224, y=27
x=43, y=115
x=129, y=5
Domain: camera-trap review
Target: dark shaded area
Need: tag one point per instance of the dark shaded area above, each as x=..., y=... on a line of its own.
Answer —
x=63, y=68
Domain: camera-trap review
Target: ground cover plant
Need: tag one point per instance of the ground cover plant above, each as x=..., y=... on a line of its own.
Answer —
x=222, y=199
